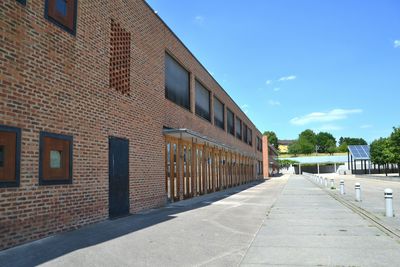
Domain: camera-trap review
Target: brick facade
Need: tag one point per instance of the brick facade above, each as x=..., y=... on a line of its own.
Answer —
x=54, y=81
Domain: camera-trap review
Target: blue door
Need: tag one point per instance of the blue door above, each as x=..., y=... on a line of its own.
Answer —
x=118, y=177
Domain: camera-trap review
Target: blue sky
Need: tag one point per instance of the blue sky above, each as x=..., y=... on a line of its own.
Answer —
x=330, y=65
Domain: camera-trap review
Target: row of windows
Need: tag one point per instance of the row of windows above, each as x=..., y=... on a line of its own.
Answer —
x=55, y=157
x=60, y=12
x=177, y=89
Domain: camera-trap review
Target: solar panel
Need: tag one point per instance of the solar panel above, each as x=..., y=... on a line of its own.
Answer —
x=360, y=152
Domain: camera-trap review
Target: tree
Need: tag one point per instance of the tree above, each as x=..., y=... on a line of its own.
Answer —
x=331, y=146
x=324, y=141
x=272, y=138
x=380, y=152
x=394, y=146
x=307, y=141
x=294, y=148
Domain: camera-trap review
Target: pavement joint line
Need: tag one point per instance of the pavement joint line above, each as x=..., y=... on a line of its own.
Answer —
x=263, y=221
x=360, y=211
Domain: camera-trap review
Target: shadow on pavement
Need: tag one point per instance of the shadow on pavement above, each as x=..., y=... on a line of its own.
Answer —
x=43, y=250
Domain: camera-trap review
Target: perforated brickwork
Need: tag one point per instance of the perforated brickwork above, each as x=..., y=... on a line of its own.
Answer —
x=120, y=43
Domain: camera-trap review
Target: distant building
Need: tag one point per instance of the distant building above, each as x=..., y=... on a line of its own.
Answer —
x=283, y=145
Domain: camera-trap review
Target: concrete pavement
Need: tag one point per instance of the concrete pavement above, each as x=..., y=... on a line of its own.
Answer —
x=281, y=222
x=307, y=227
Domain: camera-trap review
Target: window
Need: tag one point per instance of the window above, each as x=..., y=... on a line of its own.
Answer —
x=219, y=114
x=238, y=127
x=245, y=133
x=230, y=119
x=249, y=136
x=177, y=82
x=259, y=144
x=10, y=151
x=120, y=58
x=62, y=13
x=202, y=101
x=23, y=2
x=55, y=166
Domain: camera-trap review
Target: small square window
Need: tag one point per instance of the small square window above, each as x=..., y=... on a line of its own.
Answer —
x=10, y=150
x=23, y=2
x=55, y=159
x=55, y=166
x=61, y=7
x=62, y=13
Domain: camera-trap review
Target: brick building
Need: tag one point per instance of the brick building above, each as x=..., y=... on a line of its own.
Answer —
x=105, y=112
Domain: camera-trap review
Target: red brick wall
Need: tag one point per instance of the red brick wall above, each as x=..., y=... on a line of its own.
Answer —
x=53, y=81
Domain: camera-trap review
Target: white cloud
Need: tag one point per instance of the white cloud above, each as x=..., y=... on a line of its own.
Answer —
x=274, y=103
x=333, y=115
x=287, y=78
x=245, y=108
x=199, y=19
x=329, y=127
x=396, y=43
x=276, y=89
x=268, y=82
x=366, y=126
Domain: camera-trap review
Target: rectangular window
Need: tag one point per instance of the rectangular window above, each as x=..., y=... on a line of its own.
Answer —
x=120, y=58
x=249, y=136
x=238, y=127
x=62, y=13
x=177, y=82
x=55, y=163
x=230, y=120
x=202, y=101
x=219, y=113
x=22, y=1
x=10, y=154
x=245, y=131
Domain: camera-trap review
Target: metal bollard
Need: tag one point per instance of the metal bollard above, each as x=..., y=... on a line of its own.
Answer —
x=389, y=202
x=326, y=182
x=332, y=183
x=357, y=187
x=342, y=187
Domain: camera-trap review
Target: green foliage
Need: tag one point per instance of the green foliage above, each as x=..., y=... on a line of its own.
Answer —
x=295, y=148
x=307, y=141
x=284, y=163
x=379, y=151
x=326, y=141
x=394, y=142
x=272, y=138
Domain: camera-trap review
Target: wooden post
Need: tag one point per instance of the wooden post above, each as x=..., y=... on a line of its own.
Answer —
x=194, y=170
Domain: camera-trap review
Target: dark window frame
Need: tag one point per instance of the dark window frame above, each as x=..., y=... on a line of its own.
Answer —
x=223, y=113
x=22, y=2
x=60, y=24
x=244, y=133
x=249, y=136
x=209, y=101
x=241, y=129
x=17, y=132
x=67, y=180
x=167, y=53
x=233, y=121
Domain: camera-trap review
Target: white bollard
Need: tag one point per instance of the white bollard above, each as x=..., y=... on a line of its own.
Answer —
x=321, y=180
x=342, y=187
x=326, y=182
x=332, y=183
x=389, y=202
x=357, y=187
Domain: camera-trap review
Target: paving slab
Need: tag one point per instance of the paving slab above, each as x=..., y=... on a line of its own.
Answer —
x=307, y=227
